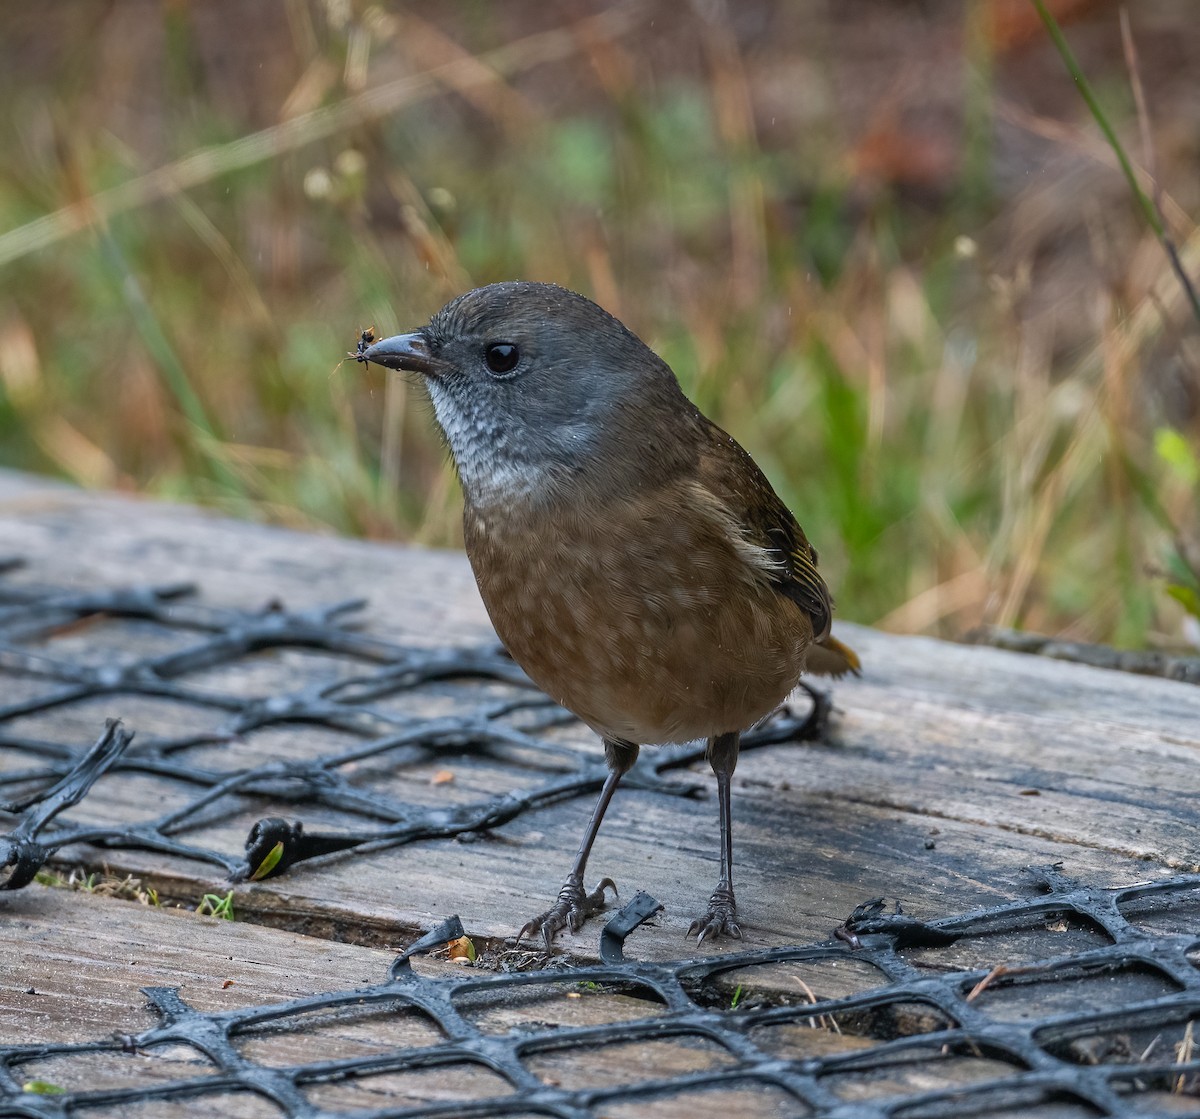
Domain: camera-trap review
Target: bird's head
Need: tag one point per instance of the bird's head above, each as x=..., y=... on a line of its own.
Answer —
x=535, y=387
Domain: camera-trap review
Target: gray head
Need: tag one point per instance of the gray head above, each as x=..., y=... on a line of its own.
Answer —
x=536, y=388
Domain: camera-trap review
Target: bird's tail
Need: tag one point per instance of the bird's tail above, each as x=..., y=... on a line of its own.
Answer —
x=829, y=657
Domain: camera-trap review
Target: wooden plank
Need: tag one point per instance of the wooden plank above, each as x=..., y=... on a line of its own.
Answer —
x=919, y=794
x=78, y=539
x=76, y=962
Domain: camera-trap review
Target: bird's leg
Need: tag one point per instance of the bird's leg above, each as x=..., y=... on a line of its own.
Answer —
x=721, y=916
x=575, y=905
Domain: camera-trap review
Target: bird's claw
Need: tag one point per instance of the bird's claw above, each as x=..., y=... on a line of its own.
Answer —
x=720, y=919
x=574, y=906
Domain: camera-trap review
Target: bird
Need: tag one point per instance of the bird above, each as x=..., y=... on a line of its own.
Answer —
x=633, y=558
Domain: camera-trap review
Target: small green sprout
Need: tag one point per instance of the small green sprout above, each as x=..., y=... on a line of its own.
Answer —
x=217, y=905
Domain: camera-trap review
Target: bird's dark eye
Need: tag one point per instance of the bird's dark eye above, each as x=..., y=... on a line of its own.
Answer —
x=502, y=357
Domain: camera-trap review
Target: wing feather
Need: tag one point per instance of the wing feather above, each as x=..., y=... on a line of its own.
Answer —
x=731, y=475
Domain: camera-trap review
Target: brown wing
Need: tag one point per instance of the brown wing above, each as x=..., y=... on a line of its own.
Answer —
x=801, y=582
x=728, y=471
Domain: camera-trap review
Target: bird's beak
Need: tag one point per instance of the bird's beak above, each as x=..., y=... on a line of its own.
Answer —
x=402, y=351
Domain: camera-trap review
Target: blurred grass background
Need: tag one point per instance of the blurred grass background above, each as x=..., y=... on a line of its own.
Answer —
x=881, y=241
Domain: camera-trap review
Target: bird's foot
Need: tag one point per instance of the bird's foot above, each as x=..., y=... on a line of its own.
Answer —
x=720, y=919
x=574, y=906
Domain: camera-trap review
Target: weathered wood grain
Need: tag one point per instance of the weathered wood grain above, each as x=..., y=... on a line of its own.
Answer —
x=74, y=963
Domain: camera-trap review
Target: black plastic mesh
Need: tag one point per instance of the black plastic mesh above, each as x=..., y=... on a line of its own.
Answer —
x=920, y=1031
x=55, y=656
x=1102, y=1025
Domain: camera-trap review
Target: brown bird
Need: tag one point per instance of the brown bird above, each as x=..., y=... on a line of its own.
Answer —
x=633, y=558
